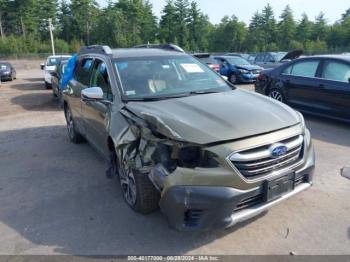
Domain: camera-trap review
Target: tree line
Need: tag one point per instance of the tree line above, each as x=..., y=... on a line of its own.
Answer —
x=125, y=23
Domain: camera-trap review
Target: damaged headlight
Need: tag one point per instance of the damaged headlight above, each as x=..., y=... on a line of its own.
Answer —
x=172, y=157
x=193, y=156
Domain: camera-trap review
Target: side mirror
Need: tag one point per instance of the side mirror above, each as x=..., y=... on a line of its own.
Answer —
x=93, y=93
x=42, y=66
x=345, y=172
x=54, y=74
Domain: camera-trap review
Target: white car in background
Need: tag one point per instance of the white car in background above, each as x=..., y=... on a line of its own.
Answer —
x=50, y=66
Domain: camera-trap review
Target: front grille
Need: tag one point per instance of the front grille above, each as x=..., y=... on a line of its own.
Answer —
x=258, y=162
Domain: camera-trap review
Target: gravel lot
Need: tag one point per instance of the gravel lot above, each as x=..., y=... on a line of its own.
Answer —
x=55, y=198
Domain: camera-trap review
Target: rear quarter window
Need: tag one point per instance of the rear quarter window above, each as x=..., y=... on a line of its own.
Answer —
x=338, y=71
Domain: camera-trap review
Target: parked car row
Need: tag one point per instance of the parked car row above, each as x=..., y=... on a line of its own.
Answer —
x=318, y=85
x=50, y=66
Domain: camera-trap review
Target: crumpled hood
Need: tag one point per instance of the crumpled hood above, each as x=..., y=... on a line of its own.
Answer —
x=209, y=118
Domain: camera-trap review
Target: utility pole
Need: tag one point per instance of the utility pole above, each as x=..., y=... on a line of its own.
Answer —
x=51, y=36
x=1, y=30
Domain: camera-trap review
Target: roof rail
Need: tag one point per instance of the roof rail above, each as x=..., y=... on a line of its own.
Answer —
x=170, y=47
x=99, y=49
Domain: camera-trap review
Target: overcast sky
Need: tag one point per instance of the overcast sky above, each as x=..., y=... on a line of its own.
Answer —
x=244, y=9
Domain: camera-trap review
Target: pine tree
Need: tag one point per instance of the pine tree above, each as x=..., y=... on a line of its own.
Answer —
x=286, y=28
x=167, y=24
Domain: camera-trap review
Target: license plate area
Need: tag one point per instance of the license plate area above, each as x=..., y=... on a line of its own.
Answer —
x=276, y=187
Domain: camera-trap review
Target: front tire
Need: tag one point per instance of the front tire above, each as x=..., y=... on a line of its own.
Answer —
x=233, y=79
x=74, y=136
x=276, y=94
x=138, y=191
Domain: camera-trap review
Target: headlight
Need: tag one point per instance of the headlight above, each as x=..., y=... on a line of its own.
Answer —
x=193, y=156
x=302, y=121
x=307, y=137
x=243, y=71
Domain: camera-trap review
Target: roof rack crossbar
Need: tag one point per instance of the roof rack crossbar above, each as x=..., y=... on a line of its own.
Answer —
x=170, y=47
x=99, y=49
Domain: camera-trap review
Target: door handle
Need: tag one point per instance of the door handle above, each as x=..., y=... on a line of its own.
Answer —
x=321, y=85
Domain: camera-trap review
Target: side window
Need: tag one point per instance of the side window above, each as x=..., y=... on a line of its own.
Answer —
x=337, y=71
x=83, y=71
x=305, y=69
x=267, y=58
x=258, y=58
x=100, y=79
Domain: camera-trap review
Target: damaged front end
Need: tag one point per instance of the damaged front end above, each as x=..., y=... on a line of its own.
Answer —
x=152, y=148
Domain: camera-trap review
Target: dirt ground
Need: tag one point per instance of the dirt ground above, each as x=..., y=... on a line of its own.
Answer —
x=55, y=198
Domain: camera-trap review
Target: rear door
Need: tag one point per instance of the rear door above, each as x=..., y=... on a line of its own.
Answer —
x=80, y=81
x=335, y=87
x=97, y=113
x=301, y=85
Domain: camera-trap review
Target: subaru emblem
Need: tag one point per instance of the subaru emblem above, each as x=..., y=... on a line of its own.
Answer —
x=278, y=150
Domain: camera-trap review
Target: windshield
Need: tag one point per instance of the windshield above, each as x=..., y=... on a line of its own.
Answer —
x=162, y=77
x=279, y=56
x=4, y=66
x=236, y=60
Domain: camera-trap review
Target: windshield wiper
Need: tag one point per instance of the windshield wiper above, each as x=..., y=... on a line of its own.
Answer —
x=203, y=92
x=158, y=98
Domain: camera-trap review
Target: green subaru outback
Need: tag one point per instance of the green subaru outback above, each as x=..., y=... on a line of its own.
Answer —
x=181, y=138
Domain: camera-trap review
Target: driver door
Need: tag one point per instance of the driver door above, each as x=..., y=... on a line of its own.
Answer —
x=97, y=113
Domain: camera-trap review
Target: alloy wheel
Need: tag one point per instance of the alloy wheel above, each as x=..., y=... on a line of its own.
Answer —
x=275, y=94
x=70, y=124
x=233, y=79
x=128, y=184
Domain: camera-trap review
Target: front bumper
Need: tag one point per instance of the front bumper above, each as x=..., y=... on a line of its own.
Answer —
x=5, y=76
x=248, y=78
x=201, y=208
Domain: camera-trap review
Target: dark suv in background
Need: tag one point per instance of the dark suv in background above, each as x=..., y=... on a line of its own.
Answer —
x=180, y=137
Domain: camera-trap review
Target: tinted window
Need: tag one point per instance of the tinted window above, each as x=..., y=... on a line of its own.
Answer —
x=83, y=72
x=338, y=71
x=306, y=69
x=100, y=79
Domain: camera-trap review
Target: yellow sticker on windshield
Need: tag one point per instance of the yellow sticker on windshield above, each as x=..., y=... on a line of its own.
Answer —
x=192, y=68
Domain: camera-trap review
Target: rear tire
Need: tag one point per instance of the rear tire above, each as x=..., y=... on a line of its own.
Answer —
x=276, y=94
x=74, y=136
x=138, y=191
